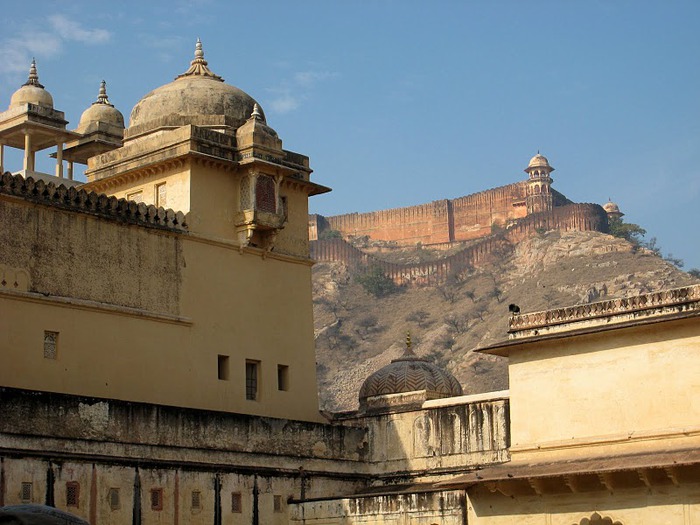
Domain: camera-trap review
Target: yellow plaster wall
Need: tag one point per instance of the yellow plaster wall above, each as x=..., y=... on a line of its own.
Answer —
x=614, y=391
x=229, y=302
x=670, y=506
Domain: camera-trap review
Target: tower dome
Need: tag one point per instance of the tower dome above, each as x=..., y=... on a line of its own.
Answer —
x=101, y=111
x=538, y=161
x=198, y=96
x=32, y=92
x=612, y=209
x=409, y=373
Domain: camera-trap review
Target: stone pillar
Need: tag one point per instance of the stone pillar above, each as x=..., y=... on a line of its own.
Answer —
x=70, y=170
x=2, y=158
x=59, y=160
x=28, y=164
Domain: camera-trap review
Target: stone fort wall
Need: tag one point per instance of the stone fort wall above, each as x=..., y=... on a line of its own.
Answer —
x=448, y=220
x=579, y=217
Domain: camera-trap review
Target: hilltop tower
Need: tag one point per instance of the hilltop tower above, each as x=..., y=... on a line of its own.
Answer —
x=539, y=195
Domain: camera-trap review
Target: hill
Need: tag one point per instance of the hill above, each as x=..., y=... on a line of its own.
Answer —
x=357, y=333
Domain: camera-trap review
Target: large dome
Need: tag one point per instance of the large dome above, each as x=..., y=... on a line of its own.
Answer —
x=410, y=373
x=198, y=96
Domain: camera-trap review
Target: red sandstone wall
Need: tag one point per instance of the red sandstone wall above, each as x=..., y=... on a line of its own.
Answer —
x=581, y=217
x=441, y=221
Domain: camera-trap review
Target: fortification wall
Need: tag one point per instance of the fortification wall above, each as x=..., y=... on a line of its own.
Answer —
x=579, y=217
x=442, y=221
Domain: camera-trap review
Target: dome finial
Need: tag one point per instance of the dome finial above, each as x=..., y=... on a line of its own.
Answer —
x=256, y=112
x=102, y=95
x=33, y=79
x=199, y=66
x=408, y=339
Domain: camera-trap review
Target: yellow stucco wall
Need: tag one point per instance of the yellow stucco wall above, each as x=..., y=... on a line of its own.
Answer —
x=148, y=318
x=670, y=506
x=613, y=391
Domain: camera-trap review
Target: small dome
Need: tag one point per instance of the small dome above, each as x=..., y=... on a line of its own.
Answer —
x=32, y=92
x=101, y=111
x=612, y=209
x=538, y=161
x=198, y=96
x=410, y=373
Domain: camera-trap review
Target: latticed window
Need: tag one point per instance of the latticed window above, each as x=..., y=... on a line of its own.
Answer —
x=50, y=344
x=265, y=199
x=246, y=201
x=136, y=196
x=26, y=492
x=278, y=503
x=251, y=380
x=113, y=499
x=196, y=499
x=72, y=494
x=156, y=499
x=236, y=502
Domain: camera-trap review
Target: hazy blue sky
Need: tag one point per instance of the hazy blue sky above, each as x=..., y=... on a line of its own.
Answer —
x=402, y=102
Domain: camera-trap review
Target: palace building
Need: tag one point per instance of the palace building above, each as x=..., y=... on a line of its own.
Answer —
x=158, y=362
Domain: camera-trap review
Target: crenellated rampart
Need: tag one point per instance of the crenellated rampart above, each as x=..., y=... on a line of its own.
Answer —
x=580, y=217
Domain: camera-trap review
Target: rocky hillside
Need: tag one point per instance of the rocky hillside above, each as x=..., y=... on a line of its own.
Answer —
x=357, y=333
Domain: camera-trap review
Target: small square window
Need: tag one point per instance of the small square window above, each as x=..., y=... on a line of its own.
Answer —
x=196, y=499
x=26, y=492
x=136, y=196
x=236, y=502
x=50, y=344
x=161, y=196
x=223, y=367
x=282, y=377
x=278, y=503
x=113, y=499
x=72, y=494
x=156, y=499
x=252, y=371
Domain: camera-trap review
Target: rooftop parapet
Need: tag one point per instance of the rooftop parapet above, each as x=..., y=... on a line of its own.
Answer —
x=90, y=202
x=644, y=307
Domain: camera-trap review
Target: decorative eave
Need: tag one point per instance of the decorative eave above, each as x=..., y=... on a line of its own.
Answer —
x=606, y=474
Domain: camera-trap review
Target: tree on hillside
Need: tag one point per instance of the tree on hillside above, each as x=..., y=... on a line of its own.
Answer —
x=376, y=282
x=695, y=272
x=634, y=233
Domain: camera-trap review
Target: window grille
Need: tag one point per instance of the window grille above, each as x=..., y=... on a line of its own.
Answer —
x=50, y=344
x=236, y=502
x=72, y=494
x=251, y=380
x=196, y=499
x=161, y=195
x=26, y=492
x=278, y=503
x=156, y=499
x=265, y=194
x=113, y=499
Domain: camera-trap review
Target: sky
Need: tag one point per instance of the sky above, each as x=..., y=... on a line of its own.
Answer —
x=400, y=102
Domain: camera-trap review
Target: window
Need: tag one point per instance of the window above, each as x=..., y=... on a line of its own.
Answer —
x=236, y=503
x=113, y=499
x=196, y=500
x=72, y=494
x=278, y=503
x=252, y=370
x=156, y=499
x=223, y=367
x=50, y=344
x=137, y=196
x=161, y=195
x=265, y=199
x=26, y=492
x=282, y=377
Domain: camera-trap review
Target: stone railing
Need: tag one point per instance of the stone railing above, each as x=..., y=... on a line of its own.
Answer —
x=666, y=298
x=49, y=194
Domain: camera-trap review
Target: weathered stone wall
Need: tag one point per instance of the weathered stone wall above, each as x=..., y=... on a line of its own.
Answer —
x=73, y=243
x=421, y=508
